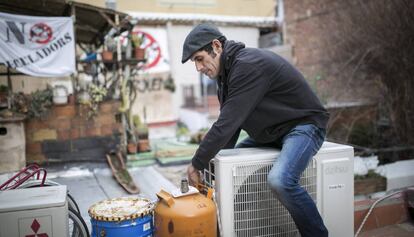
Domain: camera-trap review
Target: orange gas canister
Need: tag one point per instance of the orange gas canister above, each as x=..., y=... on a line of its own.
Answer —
x=185, y=214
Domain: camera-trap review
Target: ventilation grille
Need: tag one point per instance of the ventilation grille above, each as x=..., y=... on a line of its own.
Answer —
x=256, y=211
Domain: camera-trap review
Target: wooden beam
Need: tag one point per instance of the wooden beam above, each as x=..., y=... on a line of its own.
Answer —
x=87, y=28
x=107, y=18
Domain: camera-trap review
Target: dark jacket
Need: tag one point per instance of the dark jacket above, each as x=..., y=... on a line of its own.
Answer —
x=261, y=93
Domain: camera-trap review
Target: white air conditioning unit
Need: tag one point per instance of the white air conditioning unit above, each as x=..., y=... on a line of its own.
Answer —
x=247, y=207
x=36, y=212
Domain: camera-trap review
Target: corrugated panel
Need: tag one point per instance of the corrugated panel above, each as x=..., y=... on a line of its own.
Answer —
x=184, y=18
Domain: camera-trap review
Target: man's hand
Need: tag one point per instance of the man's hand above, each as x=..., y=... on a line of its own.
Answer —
x=194, y=176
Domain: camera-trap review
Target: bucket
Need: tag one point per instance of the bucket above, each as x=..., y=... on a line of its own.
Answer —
x=126, y=216
x=60, y=95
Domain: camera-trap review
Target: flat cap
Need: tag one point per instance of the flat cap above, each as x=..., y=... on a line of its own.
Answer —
x=200, y=36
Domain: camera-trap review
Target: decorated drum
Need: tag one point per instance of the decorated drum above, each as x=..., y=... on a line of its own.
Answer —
x=126, y=216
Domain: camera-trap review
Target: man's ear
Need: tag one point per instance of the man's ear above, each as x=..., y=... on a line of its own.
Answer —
x=216, y=44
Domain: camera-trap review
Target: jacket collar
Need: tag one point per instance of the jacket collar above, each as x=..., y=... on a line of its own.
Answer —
x=230, y=50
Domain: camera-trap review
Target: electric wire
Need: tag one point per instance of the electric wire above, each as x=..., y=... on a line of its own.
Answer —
x=373, y=206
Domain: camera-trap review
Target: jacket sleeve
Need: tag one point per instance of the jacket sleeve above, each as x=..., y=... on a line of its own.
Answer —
x=246, y=88
x=233, y=140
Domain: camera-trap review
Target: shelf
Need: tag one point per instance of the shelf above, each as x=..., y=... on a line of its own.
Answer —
x=123, y=61
x=14, y=118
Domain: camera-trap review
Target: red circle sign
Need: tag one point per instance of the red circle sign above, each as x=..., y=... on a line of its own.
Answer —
x=41, y=33
x=152, y=49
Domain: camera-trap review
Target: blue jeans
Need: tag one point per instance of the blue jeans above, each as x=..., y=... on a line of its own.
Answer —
x=297, y=149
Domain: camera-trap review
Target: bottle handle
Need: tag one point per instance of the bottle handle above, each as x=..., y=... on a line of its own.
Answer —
x=167, y=197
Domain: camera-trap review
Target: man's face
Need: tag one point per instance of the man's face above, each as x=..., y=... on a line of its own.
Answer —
x=208, y=64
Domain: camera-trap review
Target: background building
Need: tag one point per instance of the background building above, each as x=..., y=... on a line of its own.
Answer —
x=168, y=22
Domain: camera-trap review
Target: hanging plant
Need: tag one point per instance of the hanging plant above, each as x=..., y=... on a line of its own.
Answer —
x=97, y=95
x=40, y=103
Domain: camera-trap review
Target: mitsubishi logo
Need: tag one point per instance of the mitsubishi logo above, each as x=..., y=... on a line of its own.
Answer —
x=35, y=227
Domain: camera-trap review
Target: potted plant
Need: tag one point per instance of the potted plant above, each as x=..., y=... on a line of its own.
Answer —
x=183, y=133
x=60, y=95
x=141, y=131
x=132, y=147
x=369, y=183
x=137, y=40
x=198, y=136
x=107, y=55
x=40, y=103
x=108, y=49
x=143, y=141
x=91, y=98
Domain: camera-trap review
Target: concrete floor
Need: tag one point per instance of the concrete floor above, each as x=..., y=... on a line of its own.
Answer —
x=405, y=229
x=90, y=183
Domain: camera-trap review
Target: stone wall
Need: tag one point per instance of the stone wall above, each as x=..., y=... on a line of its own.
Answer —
x=67, y=134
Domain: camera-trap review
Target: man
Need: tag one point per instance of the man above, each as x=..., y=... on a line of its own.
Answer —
x=266, y=96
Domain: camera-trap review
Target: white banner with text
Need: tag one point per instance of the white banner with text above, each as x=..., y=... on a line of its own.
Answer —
x=37, y=46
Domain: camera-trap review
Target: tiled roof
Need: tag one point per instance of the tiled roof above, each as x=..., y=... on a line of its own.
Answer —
x=186, y=18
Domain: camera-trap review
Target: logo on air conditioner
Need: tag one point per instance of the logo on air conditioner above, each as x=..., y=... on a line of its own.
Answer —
x=336, y=186
x=336, y=170
x=39, y=226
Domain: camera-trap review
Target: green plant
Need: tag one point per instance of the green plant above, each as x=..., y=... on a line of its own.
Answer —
x=142, y=132
x=198, y=136
x=141, y=129
x=110, y=44
x=4, y=88
x=137, y=40
x=136, y=120
x=182, y=129
x=40, y=103
x=370, y=174
x=97, y=94
x=20, y=103
x=131, y=137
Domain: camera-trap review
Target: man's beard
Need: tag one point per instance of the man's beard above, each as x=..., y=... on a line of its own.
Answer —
x=213, y=55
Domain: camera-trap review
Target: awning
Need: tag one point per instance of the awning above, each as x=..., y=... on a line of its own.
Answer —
x=91, y=23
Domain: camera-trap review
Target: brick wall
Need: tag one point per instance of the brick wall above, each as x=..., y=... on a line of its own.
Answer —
x=68, y=134
x=390, y=211
x=311, y=27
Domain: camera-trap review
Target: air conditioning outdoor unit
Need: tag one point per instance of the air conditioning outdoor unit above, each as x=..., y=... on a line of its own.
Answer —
x=34, y=212
x=247, y=207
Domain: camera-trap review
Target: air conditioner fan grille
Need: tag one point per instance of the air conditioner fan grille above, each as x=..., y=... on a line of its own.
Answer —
x=256, y=211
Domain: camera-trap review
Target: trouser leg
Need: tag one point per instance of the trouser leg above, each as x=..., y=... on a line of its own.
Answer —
x=299, y=146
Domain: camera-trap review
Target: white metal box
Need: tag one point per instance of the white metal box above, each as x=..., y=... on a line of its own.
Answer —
x=39, y=212
x=248, y=208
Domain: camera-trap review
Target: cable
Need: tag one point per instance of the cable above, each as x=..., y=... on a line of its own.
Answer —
x=374, y=204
